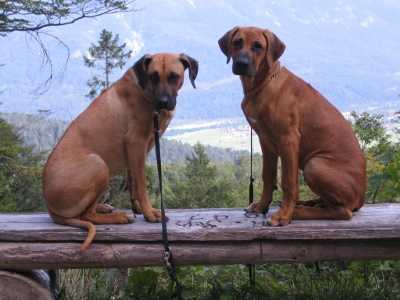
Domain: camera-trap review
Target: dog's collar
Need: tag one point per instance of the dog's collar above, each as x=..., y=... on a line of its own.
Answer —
x=274, y=75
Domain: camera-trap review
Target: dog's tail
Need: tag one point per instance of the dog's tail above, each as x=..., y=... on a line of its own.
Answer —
x=84, y=225
x=80, y=224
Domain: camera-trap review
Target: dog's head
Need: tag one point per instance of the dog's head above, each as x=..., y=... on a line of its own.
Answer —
x=161, y=76
x=251, y=49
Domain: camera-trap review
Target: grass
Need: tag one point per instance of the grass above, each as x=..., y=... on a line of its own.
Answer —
x=322, y=281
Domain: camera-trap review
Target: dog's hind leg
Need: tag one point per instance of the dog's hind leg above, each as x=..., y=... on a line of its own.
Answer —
x=312, y=202
x=315, y=213
x=336, y=186
x=104, y=208
x=75, y=190
x=110, y=218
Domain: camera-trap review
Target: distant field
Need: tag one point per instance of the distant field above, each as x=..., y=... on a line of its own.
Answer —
x=234, y=133
x=223, y=133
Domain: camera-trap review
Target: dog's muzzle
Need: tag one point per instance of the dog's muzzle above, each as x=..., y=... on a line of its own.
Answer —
x=242, y=65
x=165, y=102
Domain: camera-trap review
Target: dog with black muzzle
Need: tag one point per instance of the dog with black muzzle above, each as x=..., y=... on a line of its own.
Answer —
x=115, y=133
x=296, y=123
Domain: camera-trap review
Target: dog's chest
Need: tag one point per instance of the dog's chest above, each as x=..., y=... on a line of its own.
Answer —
x=261, y=120
x=165, y=120
x=253, y=114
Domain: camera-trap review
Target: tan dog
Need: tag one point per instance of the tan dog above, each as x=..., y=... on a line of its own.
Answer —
x=296, y=123
x=114, y=133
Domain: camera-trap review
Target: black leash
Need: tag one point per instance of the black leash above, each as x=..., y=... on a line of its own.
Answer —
x=251, y=267
x=168, y=258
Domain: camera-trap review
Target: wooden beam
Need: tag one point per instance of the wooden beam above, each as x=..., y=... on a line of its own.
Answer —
x=195, y=225
x=67, y=255
x=200, y=236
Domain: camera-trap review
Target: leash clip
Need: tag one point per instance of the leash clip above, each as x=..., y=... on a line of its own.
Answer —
x=167, y=259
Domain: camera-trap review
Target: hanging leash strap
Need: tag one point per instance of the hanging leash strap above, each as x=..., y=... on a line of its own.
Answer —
x=168, y=258
x=251, y=267
x=251, y=183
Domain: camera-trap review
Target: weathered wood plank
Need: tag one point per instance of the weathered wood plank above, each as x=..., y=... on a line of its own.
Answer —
x=381, y=221
x=203, y=236
x=67, y=255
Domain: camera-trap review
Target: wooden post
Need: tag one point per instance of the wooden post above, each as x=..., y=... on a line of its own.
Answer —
x=22, y=286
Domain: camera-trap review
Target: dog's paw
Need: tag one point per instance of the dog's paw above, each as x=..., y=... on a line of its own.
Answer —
x=256, y=207
x=104, y=208
x=153, y=216
x=278, y=219
x=125, y=218
x=130, y=218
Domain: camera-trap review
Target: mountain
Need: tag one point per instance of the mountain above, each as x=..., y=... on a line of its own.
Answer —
x=346, y=49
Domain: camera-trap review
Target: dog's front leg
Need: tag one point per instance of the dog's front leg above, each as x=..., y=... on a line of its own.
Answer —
x=137, y=152
x=269, y=171
x=289, y=152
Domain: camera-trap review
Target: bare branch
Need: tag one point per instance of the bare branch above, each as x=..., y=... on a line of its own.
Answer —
x=32, y=17
x=13, y=21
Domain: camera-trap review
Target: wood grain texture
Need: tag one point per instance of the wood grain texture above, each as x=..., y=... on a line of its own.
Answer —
x=380, y=221
x=200, y=236
x=67, y=255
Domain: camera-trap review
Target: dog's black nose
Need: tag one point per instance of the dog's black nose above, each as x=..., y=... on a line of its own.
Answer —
x=243, y=61
x=166, y=102
x=241, y=65
x=163, y=99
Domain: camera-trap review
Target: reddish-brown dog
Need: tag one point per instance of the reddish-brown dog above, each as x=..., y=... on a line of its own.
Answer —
x=296, y=123
x=114, y=133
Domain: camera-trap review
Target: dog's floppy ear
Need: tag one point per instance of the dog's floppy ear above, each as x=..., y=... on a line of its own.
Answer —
x=225, y=41
x=140, y=69
x=275, y=46
x=192, y=64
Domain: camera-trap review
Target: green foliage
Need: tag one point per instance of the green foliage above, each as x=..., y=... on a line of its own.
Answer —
x=325, y=281
x=382, y=157
x=20, y=173
x=107, y=55
x=386, y=183
x=33, y=15
x=369, y=129
x=199, y=185
x=396, y=121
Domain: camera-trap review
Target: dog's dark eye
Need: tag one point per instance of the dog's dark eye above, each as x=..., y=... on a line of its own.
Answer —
x=173, y=78
x=154, y=78
x=257, y=46
x=238, y=43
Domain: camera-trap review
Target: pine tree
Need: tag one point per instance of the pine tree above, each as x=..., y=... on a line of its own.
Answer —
x=198, y=165
x=20, y=173
x=107, y=55
x=200, y=186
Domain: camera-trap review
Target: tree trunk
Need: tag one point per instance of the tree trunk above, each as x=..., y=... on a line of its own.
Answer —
x=107, y=72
